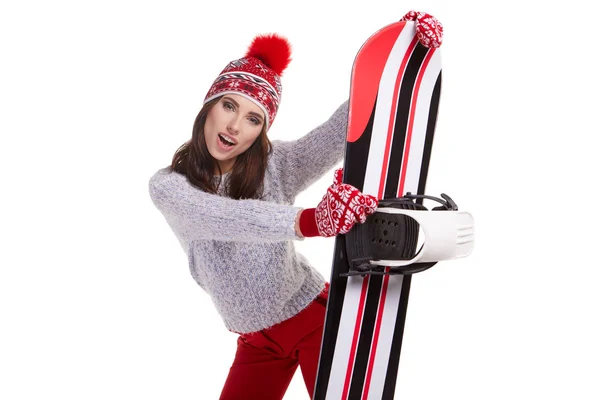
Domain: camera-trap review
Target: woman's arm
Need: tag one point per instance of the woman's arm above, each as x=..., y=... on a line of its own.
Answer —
x=194, y=214
x=301, y=162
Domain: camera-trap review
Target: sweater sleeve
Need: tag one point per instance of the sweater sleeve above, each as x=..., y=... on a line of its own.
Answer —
x=194, y=214
x=303, y=161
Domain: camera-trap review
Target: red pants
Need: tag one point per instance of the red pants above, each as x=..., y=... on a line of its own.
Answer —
x=265, y=361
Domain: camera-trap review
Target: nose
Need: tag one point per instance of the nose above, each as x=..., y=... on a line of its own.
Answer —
x=234, y=125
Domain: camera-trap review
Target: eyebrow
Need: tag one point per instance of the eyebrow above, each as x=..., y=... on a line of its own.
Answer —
x=237, y=105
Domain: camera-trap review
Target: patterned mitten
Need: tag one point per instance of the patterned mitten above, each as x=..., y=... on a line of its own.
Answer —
x=429, y=30
x=342, y=206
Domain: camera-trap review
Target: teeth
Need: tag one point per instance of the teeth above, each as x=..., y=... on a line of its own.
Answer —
x=226, y=139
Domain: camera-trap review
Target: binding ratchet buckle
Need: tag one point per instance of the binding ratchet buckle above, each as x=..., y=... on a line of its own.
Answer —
x=388, y=242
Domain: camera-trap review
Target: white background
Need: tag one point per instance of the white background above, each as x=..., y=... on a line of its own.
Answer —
x=96, y=301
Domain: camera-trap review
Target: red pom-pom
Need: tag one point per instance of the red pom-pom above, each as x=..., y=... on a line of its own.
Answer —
x=273, y=50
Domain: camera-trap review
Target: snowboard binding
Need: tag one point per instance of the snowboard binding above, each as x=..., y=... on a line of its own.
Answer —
x=386, y=244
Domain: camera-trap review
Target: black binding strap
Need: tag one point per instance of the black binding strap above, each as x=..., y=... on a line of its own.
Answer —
x=386, y=236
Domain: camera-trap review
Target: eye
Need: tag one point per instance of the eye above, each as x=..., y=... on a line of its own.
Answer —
x=228, y=105
x=254, y=121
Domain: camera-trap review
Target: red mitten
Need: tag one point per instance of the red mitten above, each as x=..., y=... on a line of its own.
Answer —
x=429, y=30
x=342, y=206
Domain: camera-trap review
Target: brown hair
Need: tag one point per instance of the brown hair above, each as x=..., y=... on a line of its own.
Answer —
x=194, y=161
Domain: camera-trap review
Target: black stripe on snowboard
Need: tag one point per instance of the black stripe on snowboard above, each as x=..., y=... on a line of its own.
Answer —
x=353, y=174
x=401, y=121
x=366, y=336
x=391, y=190
x=431, y=121
x=394, y=362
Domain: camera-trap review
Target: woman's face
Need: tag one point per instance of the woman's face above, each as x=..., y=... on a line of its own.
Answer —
x=231, y=126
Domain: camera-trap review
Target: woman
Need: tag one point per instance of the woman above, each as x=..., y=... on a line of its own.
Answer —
x=228, y=196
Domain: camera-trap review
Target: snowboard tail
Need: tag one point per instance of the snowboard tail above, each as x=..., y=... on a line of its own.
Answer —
x=394, y=97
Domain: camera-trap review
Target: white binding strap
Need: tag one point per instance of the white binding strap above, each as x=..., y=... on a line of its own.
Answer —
x=448, y=235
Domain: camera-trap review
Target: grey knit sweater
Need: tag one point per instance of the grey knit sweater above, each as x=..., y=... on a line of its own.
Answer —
x=241, y=252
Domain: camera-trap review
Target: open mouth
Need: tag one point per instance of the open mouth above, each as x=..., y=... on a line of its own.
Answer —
x=226, y=141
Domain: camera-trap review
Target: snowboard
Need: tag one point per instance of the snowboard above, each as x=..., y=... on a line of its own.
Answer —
x=394, y=96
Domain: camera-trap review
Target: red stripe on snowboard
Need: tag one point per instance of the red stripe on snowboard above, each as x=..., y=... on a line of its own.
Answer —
x=382, y=297
x=372, y=59
x=400, y=193
x=361, y=308
x=412, y=119
x=370, y=86
x=390, y=133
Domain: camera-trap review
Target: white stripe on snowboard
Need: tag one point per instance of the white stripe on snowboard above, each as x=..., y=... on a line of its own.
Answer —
x=384, y=344
x=381, y=121
x=372, y=179
x=411, y=182
x=343, y=345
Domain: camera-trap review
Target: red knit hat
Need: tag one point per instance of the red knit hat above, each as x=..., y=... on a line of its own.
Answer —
x=256, y=76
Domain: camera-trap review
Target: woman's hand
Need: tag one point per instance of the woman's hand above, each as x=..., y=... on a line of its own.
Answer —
x=342, y=206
